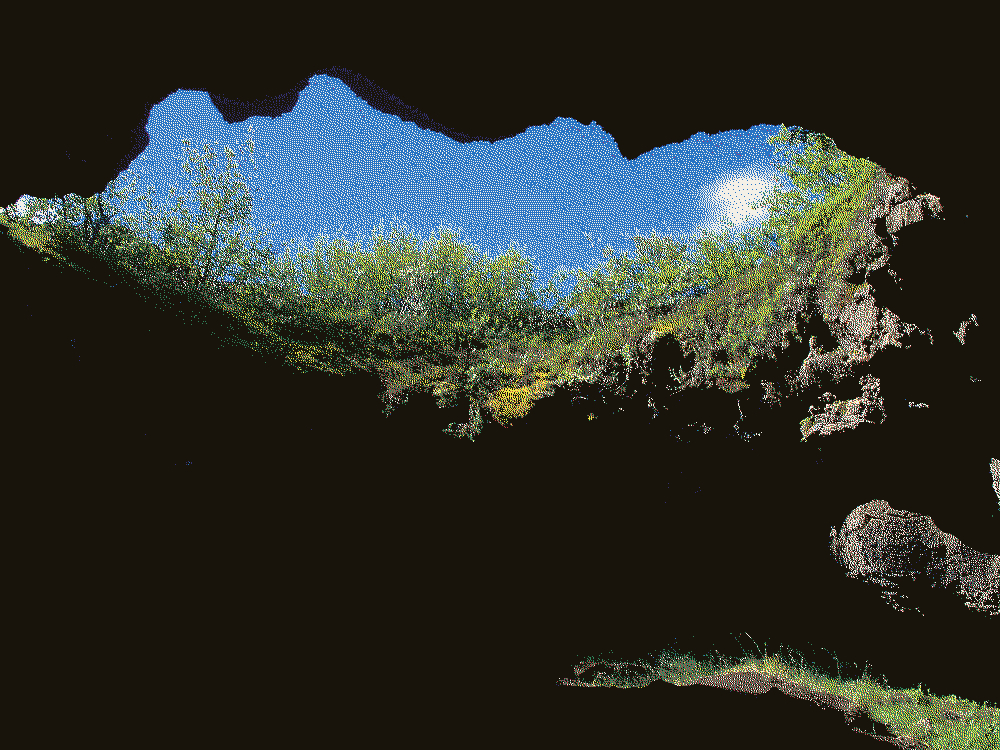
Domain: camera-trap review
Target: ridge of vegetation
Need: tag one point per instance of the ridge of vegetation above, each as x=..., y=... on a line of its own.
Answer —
x=441, y=317
x=915, y=716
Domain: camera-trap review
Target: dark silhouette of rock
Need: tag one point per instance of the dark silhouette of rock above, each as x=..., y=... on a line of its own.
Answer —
x=881, y=545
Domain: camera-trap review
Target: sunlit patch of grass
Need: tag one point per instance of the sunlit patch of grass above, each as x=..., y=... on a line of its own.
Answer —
x=941, y=722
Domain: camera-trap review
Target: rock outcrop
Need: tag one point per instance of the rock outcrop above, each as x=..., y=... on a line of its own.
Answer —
x=884, y=546
x=845, y=328
x=842, y=415
x=860, y=326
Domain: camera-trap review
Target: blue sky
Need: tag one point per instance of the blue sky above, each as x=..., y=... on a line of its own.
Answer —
x=335, y=166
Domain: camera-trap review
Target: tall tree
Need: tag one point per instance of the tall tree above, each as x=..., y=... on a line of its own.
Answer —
x=208, y=231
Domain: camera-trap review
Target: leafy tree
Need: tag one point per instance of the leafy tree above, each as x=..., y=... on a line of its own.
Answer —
x=387, y=287
x=602, y=293
x=720, y=257
x=328, y=273
x=474, y=300
x=207, y=231
x=373, y=288
x=204, y=239
x=445, y=291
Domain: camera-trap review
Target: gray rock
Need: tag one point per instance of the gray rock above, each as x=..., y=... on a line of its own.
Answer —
x=883, y=546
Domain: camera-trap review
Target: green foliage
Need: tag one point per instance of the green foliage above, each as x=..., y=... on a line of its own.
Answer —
x=830, y=229
x=442, y=302
x=440, y=316
x=733, y=322
x=206, y=235
x=660, y=272
x=442, y=295
x=816, y=221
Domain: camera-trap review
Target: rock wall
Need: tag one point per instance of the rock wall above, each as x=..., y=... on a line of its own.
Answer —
x=860, y=326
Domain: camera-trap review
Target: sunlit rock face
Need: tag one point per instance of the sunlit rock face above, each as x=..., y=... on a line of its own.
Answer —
x=892, y=548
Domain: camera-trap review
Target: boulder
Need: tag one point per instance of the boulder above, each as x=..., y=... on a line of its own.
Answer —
x=884, y=546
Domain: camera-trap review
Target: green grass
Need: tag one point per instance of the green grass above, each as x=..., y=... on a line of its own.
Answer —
x=941, y=722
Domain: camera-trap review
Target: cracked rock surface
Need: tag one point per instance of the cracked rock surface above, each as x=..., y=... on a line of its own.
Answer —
x=880, y=545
